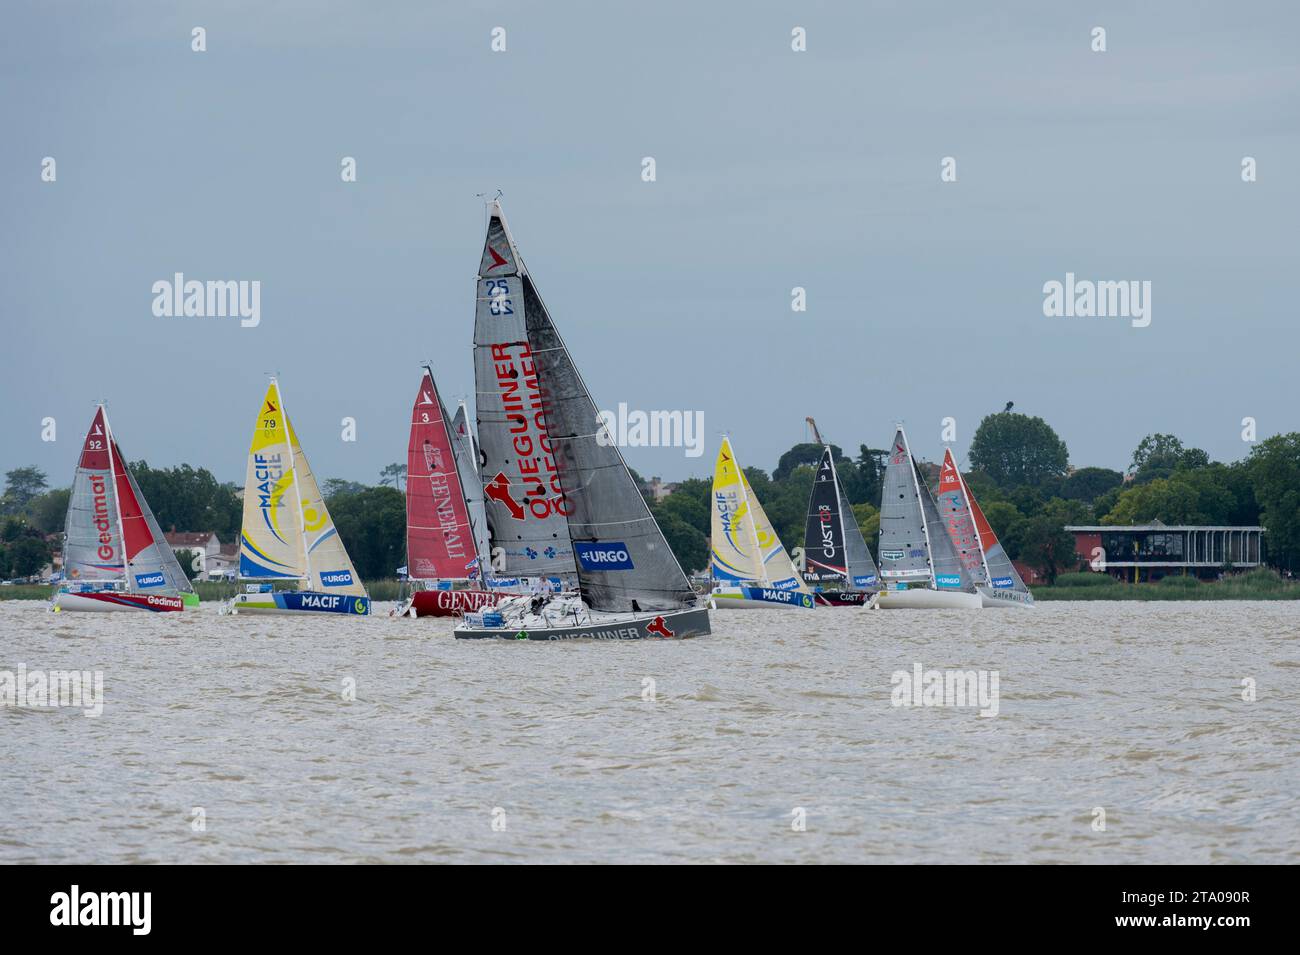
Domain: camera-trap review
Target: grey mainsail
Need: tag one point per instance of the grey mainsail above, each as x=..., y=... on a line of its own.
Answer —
x=904, y=555
x=946, y=566
x=524, y=501
x=623, y=561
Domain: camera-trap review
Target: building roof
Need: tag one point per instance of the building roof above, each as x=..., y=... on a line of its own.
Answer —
x=189, y=538
x=1157, y=526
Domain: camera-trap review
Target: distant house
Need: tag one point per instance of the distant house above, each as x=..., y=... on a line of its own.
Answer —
x=225, y=564
x=198, y=542
x=658, y=489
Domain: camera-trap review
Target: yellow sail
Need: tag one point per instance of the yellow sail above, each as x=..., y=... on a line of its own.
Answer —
x=287, y=527
x=744, y=546
x=271, y=541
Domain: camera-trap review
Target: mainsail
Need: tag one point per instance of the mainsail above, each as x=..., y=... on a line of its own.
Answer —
x=743, y=543
x=525, y=500
x=623, y=561
x=287, y=531
x=960, y=522
x=439, y=536
x=834, y=548
x=92, y=547
x=914, y=544
x=995, y=569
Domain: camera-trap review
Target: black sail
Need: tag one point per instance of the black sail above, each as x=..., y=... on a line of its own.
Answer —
x=823, y=544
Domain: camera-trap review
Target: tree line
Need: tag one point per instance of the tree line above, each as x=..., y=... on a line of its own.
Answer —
x=1019, y=473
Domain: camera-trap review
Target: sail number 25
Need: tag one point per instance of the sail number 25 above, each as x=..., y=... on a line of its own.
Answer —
x=498, y=304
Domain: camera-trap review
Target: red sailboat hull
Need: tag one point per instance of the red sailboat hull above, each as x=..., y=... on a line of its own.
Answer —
x=452, y=603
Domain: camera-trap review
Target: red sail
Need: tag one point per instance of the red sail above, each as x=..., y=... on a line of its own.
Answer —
x=134, y=527
x=94, y=453
x=439, y=539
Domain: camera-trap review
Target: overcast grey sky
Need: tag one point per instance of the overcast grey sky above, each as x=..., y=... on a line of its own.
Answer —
x=775, y=169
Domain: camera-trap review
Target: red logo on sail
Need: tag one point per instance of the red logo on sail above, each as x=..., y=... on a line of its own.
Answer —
x=497, y=261
x=661, y=628
x=499, y=491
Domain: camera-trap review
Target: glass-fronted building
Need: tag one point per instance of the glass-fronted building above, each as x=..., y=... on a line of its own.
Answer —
x=1150, y=551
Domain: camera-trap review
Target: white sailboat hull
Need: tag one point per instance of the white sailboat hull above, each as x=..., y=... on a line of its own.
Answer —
x=926, y=599
x=991, y=597
x=110, y=601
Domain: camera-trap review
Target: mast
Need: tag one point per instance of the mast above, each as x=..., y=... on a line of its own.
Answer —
x=117, y=498
x=925, y=525
x=297, y=491
x=816, y=434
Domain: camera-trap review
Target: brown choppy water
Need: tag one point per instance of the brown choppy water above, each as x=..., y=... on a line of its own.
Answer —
x=1135, y=708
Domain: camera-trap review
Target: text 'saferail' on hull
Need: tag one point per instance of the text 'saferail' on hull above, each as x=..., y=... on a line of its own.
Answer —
x=993, y=597
x=102, y=601
x=298, y=601
x=671, y=625
x=759, y=598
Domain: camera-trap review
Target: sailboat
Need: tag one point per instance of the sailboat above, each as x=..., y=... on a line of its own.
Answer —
x=750, y=567
x=918, y=562
x=287, y=533
x=115, y=557
x=559, y=497
x=443, y=547
x=981, y=554
x=838, y=564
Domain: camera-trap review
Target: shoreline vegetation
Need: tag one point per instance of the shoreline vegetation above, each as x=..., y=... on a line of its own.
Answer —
x=1259, y=584
x=1019, y=471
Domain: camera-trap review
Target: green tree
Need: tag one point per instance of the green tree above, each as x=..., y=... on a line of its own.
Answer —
x=335, y=486
x=26, y=556
x=1088, y=484
x=394, y=474
x=1046, y=546
x=185, y=498
x=21, y=485
x=690, y=503
x=690, y=547
x=49, y=511
x=868, y=519
x=1160, y=455
x=1016, y=450
x=372, y=525
x=185, y=558
x=803, y=454
x=1187, y=497
x=1274, y=469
